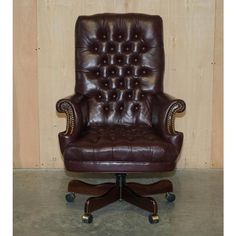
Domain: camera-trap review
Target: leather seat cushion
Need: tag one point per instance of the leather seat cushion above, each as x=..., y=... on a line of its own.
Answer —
x=120, y=143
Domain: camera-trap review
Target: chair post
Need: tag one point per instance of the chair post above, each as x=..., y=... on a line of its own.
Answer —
x=120, y=181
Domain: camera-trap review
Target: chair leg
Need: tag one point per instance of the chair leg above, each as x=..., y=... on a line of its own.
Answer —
x=162, y=186
x=95, y=203
x=81, y=187
x=107, y=193
x=146, y=203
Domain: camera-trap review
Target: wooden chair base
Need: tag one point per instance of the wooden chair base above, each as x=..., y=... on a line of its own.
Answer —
x=107, y=193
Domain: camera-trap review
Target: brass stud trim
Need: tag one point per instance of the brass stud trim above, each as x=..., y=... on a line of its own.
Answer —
x=176, y=107
x=67, y=108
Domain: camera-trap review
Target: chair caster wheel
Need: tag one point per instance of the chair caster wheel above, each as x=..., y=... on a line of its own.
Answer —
x=170, y=197
x=153, y=219
x=87, y=218
x=70, y=197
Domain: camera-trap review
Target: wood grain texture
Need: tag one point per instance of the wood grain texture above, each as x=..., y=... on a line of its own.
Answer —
x=193, y=70
x=189, y=75
x=217, y=98
x=25, y=108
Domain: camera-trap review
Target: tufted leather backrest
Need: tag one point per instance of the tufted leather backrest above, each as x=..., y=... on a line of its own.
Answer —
x=119, y=66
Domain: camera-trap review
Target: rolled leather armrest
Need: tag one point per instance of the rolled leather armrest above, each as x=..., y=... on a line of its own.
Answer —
x=75, y=108
x=163, y=117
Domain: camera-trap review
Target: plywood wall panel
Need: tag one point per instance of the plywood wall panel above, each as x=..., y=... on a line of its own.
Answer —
x=217, y=97
x=189, y=75
x=26, y=119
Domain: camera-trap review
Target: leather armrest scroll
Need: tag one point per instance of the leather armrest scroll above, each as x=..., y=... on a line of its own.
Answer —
x=163, y=117
x=177, y=106
x=76, y=114
x=67, y=107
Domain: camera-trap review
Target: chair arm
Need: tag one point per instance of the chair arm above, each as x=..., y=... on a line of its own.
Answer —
x=163, y=117
x=75, y=108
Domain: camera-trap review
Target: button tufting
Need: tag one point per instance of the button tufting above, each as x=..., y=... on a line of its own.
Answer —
x=129, y=95
x=105, y=61
x=120, y=75
x=121, y=83
x=114, y=96
x=99, y=96
x=142, y=95
x=135, y=59
x=128, y=72
x=121, y=108
x=119, y=59
x=144, y=71
x=136, y=107
x=106, y=108
x=143, y=48
x=94, y=47
x=111, y=47
x=113, y=72
x=127, y=47
x=106, y=84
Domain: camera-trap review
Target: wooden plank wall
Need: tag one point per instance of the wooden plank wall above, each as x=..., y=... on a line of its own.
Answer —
x=217, y=98
x=194, y=72
x=25, y=85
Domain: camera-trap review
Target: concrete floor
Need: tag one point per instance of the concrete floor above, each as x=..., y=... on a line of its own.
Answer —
x=40, y=208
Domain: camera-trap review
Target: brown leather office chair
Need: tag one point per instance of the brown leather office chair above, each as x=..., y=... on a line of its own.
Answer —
x=119, y=120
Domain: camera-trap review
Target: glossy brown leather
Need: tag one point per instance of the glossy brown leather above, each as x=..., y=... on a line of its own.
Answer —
x=120, y=120
x=120, y=143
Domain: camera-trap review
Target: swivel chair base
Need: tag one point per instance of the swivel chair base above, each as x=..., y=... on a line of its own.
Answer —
x=107, y=193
